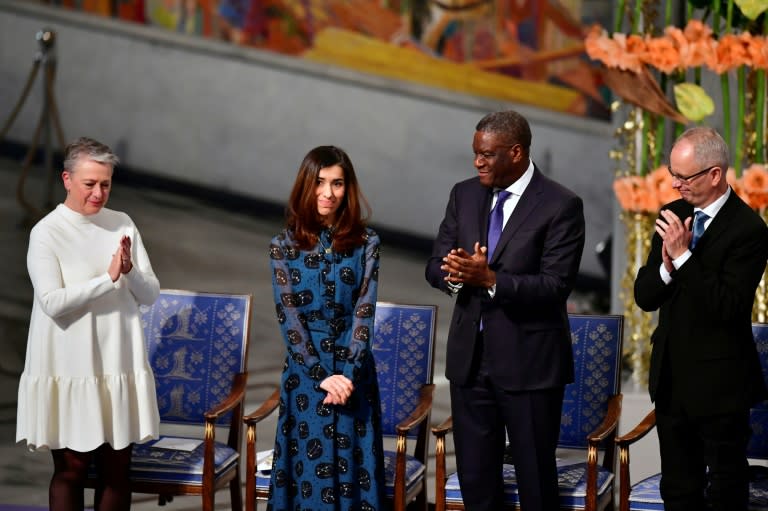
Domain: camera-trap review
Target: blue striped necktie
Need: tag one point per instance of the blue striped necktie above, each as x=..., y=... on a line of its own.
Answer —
x=698, y=227
x=496, y=221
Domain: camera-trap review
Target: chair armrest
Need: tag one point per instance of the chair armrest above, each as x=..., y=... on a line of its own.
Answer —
x=264, y=410
x=443, y=428
x=608, y=427
x=623, y=442
x=234, y=398
x=639, y=431
x=420, y=413
x=610, y=422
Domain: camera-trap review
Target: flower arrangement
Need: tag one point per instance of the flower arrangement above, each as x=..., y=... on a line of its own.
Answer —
x=656, y=66
x=645, y=67
x=648, y=193
x=678, y=49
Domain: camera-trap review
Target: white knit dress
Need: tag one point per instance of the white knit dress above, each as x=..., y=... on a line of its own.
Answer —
x=86, y=380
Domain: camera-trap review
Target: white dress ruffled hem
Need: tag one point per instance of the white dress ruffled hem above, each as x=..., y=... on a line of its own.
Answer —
x=86, y=412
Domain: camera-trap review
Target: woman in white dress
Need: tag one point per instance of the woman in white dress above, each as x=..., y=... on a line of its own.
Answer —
x=87, y=392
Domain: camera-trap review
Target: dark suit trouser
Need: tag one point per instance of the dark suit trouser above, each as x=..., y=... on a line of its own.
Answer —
x=703, y=459
x=481, y=413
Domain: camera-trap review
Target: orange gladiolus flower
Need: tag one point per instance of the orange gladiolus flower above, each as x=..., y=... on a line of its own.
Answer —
x=662, y=53
x=731, y=53
x=661, y=181
x=697, y=48
x=636, y=50
x=696, y=31
x=758, y=52
x=754, y=182
x=618, y=51
x=735, y=183
x=635, y=194
x=599, y=46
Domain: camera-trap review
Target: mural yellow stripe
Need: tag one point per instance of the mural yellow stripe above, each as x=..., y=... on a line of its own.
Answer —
x=350, y=49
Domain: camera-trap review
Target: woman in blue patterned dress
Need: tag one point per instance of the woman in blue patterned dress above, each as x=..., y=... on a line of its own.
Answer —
x=325, y=265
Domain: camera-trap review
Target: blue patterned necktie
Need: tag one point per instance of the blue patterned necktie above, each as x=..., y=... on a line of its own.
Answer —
x=698, y=227
x=496, y=222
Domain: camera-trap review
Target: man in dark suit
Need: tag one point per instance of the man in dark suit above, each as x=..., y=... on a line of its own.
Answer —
x=705, y=373
x=509, y=348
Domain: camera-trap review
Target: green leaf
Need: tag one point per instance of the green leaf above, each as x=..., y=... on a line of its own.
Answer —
x=693, y=101
x=752, y=8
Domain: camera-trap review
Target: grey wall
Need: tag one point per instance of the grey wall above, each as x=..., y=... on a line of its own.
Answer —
x=240, y=120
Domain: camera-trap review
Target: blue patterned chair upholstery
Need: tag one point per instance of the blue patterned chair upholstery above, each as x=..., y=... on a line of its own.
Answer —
x=403, y=346
x=645, y=496
x=197, y=344
x=590, y=417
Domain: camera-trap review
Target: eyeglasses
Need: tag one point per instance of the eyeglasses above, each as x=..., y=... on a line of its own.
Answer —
x=688, y=179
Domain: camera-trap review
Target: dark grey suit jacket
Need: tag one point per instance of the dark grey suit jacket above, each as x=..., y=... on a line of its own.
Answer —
x=525, y=325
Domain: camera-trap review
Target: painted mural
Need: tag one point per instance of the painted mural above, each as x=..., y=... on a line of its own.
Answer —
x=523, y=51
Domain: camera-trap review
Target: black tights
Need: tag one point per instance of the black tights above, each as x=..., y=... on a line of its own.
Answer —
x=70, y=471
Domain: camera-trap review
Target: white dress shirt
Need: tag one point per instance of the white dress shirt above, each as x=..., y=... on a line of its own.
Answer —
x=710, y=211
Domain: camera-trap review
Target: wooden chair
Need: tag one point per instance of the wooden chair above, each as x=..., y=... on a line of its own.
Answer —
x=197, y=344
x=403, y=347
x=645, y=495
x=590, y=418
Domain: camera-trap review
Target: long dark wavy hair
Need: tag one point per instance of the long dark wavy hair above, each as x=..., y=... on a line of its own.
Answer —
x=301, y=213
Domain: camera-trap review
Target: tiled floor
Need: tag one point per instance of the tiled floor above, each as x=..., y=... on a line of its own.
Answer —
x=193, y=245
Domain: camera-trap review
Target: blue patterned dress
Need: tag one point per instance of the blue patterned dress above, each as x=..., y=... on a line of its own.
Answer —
x=326, y=457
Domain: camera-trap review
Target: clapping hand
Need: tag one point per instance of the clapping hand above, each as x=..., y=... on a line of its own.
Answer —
x=675, y=234
x=121, y=260
x=465, y=268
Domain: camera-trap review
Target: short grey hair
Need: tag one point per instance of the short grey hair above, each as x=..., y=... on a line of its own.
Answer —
x=709, y=148
x=510, y=125
x=90, y=149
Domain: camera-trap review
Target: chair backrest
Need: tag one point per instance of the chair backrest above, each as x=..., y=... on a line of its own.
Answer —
x=596, y=341
x=403, y=345
x=196, y=344
x=758, y=415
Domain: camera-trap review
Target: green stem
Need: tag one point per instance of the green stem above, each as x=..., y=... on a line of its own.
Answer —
x=742, y=78
x=725, y=88
x=661, y=125
x=760, y=108
x=668, y=13
x=637, y=16
x=716, y=16
x=618, y=17
x=729, y=17
x=643, y=170
x=679, y=128
x=760, y=117
x=660, y=132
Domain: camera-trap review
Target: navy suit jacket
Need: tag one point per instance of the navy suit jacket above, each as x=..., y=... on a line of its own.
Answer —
x=525, y=324
x=703, y=342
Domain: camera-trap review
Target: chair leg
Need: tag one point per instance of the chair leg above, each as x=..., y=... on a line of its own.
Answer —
x=420, y=504
x=208, y=500
x=236, y=493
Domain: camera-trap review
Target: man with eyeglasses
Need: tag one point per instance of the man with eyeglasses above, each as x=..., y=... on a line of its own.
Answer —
x=706, y=259
x=509, y=249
